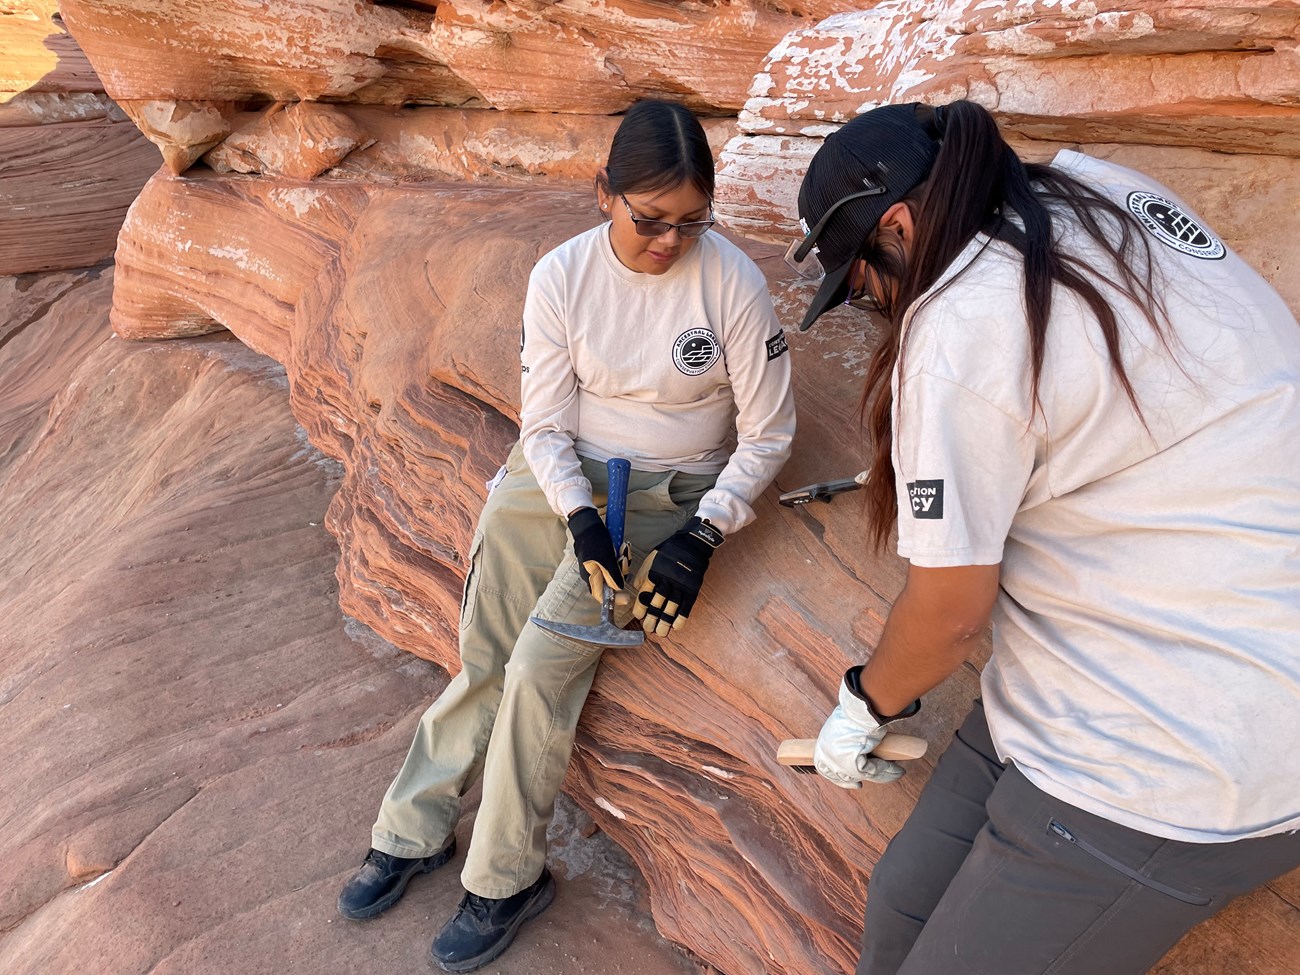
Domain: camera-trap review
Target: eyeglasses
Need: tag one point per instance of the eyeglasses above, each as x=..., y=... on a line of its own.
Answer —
x=860, y=297
x=801, y=256
x=657, y=228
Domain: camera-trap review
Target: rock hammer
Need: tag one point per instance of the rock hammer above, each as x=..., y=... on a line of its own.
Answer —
x=606, y=634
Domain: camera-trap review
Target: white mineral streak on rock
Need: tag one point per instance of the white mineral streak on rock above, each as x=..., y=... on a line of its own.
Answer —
x=640, y=26
x=532, y=155
x=45, y=107
x=91, y=883
x=340, y=144
x=1139, y=25
x=1024, y=34
x=610, y=808
x=848, y=62
x=421, y=148
x=812, y=78
x=300, y=200
x=245, y=261
x=758, y=184
x=1018, y=42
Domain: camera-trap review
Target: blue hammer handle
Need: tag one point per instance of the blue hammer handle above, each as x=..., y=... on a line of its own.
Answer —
x=620, y=471
x=608, y=633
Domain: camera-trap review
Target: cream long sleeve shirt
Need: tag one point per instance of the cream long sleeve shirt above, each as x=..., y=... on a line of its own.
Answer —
x=685, y=371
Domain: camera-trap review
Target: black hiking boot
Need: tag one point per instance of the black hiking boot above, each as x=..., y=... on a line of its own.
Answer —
x=484, y=926
x=382, y=880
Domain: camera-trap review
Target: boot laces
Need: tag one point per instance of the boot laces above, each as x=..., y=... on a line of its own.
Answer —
x=478, y=907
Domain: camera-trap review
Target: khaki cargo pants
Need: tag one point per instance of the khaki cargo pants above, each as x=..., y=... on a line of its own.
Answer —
x=512, y=711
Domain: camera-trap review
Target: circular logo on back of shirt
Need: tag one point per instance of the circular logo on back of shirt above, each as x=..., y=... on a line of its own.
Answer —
x=1175, y=227
x=695, y=351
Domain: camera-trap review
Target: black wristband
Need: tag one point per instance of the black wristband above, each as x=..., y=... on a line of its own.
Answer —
x=705, y=532
x=853, y=681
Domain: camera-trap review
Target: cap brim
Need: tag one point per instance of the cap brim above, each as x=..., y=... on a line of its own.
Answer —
x=834, y=289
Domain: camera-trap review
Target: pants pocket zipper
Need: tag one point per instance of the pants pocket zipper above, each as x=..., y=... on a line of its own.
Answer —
x=1194, y=899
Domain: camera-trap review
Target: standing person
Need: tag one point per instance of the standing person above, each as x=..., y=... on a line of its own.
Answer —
x=646, y=338
x=1086, y=408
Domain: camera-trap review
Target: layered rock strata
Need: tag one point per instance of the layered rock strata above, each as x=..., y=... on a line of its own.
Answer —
x=1222, y=77
x=191, y=728
x=514, y=56
x=70, y=160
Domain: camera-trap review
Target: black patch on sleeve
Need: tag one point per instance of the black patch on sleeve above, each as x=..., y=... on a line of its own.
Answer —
x=926, y=498
x=777, y=346
x=1175, y=227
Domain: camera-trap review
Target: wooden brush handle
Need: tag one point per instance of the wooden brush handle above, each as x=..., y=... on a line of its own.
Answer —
x=893, y=748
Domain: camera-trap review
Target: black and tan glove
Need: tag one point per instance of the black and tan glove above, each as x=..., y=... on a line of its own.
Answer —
x=598, y=563
x=669, y=579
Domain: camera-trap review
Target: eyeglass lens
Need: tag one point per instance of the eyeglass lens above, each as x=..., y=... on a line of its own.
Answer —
x=657, y=228
x=860, y=295
x=810, y=268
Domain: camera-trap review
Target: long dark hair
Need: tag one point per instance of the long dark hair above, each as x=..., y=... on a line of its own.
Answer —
x=658, y=145
x=976, y=185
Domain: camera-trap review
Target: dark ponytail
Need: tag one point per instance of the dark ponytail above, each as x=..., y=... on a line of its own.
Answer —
x=658, y=145
x=976, y=185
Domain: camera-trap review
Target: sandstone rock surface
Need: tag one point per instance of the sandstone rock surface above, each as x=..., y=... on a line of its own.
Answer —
x=70, y=161
x=300, y=141
x=194, y=735
x=588, y=58
x=1220, y=77
x=44, y=76
x=382, y=144
x=512, y=55
x=64, y=191
x=1086, y=71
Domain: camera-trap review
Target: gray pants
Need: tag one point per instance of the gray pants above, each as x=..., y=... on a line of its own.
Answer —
x=991, y=875
x=511, y=713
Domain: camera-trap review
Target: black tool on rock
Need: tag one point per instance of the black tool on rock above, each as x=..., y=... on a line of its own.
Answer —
x=821, y=491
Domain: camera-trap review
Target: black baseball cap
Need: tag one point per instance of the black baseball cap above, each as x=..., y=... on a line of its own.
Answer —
x=861, y=170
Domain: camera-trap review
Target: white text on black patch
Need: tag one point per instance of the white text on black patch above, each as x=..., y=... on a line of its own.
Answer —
x=1175, y=227
x=926, y=498
x=777, y=346
x=695, y=350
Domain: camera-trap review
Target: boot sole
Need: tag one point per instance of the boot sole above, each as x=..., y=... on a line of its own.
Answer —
x=378, y=907
x=539, y=903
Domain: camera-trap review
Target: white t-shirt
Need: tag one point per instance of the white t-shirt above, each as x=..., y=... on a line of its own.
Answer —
x=686, y=370
x=1146, y=658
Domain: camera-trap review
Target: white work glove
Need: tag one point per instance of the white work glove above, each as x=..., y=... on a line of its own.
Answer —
x=850, y=734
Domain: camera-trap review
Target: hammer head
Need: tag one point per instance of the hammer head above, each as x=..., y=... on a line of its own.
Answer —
x=605, y=634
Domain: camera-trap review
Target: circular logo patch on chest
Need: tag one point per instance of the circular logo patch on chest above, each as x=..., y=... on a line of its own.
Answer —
x=695, y=351
x=1174, y=227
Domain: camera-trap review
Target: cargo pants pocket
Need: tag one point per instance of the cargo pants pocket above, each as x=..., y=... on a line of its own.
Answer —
x=469, y=593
